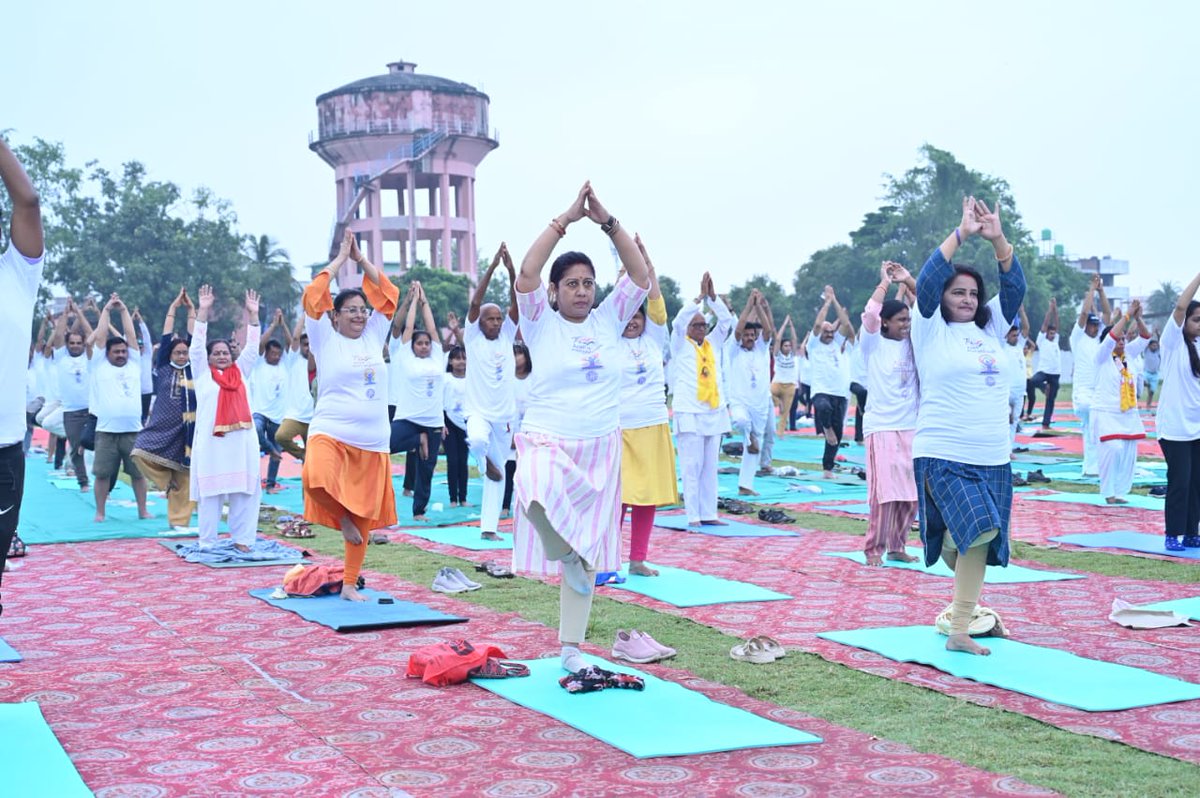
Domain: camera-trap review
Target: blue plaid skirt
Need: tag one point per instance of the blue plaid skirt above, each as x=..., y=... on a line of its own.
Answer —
x=966, y=501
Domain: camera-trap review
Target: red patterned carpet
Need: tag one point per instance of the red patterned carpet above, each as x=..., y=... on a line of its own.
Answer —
x=166, y=679
x=831, y=593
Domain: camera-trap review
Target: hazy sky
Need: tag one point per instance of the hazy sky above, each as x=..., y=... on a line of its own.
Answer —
x=736, y=137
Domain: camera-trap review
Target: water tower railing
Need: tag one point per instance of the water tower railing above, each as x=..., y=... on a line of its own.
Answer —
x=364, y=127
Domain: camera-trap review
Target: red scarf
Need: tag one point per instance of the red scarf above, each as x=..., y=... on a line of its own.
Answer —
x=233, y=406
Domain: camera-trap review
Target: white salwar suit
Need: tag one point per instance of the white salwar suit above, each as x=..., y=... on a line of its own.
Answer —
x=698, y=427
x=224, y=469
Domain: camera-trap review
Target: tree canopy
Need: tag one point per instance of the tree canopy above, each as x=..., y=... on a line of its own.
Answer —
x=140, y=237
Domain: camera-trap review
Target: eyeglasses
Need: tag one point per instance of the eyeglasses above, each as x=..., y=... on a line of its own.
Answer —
x=356, y=311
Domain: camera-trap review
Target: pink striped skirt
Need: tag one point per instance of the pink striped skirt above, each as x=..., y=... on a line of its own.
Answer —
x=578, y=482
x=890, y=467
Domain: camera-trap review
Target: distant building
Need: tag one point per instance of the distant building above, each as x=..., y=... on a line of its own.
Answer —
x=1107, y=268
x=404, y=148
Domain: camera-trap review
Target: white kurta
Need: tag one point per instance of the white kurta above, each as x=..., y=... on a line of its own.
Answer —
x=228, y=464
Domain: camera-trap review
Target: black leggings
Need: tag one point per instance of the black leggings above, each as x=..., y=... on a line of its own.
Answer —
x=455, y=446
x=406, y=438
x=1030, y=397
x=860, y=409
x=1049, y=385
x=12, y=489
x=830, y=412
x=510, y=471
x=1183, y=486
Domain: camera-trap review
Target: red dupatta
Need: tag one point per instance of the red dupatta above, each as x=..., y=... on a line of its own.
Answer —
x=233, y=404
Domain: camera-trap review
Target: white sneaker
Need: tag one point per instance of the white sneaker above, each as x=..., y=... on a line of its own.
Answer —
x=444, y=583
x=458, y=576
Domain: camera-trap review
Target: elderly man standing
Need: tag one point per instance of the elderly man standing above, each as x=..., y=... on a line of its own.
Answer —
x=830, y=364
x=1085, y=345
x=115, y=399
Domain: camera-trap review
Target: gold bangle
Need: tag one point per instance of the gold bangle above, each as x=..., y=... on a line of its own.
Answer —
x=558, y=228
x=1011, y=250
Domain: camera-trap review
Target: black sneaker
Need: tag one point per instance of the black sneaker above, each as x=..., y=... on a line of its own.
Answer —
x=1019, y=481
x=1037, y=476
x=1158, y=490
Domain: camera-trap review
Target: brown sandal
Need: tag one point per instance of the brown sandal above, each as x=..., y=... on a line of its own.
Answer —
x=297, y=529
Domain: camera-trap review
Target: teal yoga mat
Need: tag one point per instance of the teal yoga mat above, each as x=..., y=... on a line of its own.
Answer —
x=665, y=719
x=732, y=529
x=684, y=588
x=174, y=545
x=8, y=653
x=1046, y=673
x=1184, y=606
x=465, y=537
x=54, y=515
x=1095, y=500
x=779, y=490
x=1130, y=541
x=359, y=616
x=810, y=450
x=35, y=762
x=292, y=500
x=995, y=575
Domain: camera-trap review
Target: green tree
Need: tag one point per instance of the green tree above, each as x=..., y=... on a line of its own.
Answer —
x=779, y=300
x=447, y=292
x=270, y=262
x=1161, y=303
x=671, y=295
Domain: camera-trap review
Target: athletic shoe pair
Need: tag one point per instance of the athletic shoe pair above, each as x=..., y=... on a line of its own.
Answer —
x=452, y=580
x=635, y=646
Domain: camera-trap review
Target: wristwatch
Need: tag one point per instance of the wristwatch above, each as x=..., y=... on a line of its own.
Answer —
x=609, y=226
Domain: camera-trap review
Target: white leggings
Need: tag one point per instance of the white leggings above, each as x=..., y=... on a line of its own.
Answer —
x=243, y=517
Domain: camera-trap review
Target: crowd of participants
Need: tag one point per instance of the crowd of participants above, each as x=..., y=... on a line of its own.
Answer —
x=556, y=394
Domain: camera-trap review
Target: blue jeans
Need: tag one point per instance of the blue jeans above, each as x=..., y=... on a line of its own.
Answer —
x=266, y=441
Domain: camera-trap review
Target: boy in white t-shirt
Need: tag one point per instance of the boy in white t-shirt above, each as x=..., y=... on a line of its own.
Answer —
x=20, y=275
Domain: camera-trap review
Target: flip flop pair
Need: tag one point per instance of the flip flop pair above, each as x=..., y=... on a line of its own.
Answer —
x=758, y=650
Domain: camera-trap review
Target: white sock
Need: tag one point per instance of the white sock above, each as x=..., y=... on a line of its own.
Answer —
x=572, y=659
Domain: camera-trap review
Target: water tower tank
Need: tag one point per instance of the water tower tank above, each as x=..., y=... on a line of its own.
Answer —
x=404, y=148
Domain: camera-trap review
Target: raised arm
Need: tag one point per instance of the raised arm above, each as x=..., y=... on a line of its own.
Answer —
x=266, y=336
x=823, y=313
x=778, y=340
x=427, y=318
x=627, y=248
x=250, y=350
x=191, y=312
x=1185, y=299
x=169, y=321
x=530, y=276
x=1089, y=301
x=127, y=327
x=297, y=332
x=482, y=286
x=870, y=314
x=100, y=333
x=25, y=232
x=844, y=325
x=1105, y=307
x=411, y=315
x=1012, y=278
x=1024, y=322
x=285, y=331
x=402, y=312
x=513, y=313
x=197, y=350
x=58, y=335
x=454, y=333
x=747, y=311
x=317, y=300
x=766, y=318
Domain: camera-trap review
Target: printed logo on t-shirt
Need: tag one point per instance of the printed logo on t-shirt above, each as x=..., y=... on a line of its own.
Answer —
x=429, y=387
x=591, y=367
x=989, y=370
x=369, y=382
x=584, y=344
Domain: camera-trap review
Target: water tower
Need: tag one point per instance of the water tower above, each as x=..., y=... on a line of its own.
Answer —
x=404, y=148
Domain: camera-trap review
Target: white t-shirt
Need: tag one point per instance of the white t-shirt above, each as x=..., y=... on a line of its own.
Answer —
x=147, y=358
x=299, y=402
x=115, y=398
x=787, y=368
x=830, y=366
x=892, y=376
x=1084, y=348
x=858, y=366
x=963, y=414
x=643, y=397
x=803, y=370
x=73, y=378
x=576, y=390
x=454, y=400
x=352, y=396
x=1106, y=382
x=47, y=377
x=19, y=280
x=1049, y=355
x=1016, y=356
x=420, y=397
x=491, y=370
x=1179, y=403
x=748, y=373
x=268, y=388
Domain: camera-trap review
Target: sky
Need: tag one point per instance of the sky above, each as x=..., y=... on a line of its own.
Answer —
x=735, y=137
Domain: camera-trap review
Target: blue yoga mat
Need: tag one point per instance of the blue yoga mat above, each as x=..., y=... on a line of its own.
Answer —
x=684, y=588
x=1046, y=673
x=465, y=537
x=733, y=529
x=1131, y=541
x=858, y=508
x=53, y=515
x=665, y=719
x=995, y=575
x=265, y=551
x=35, y=762
x=359, y=616
x=1184, y=606
x=1096, y=500
x=8, y=653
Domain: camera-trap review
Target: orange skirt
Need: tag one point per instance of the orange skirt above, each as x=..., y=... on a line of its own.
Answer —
x=341, y=480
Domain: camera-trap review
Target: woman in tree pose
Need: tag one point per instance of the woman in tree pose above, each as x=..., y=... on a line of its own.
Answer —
x=891, y=418
x=647, y=454
x=568, y=489
x=701, y=417
x=347, y=470
x=419, y=414
x=961, y=453
x=224, y=466
x=163, y=450
x=1179, y=420
x=1113, y=404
